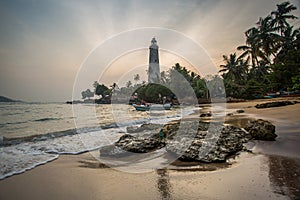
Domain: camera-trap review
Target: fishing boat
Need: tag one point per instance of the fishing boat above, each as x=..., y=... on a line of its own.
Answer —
x=147, y=107
x=141, y=107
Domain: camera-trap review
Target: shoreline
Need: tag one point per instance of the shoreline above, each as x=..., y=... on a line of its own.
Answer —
x=81, y=176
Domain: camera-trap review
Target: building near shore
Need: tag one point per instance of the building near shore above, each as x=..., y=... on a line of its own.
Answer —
x=154, y=69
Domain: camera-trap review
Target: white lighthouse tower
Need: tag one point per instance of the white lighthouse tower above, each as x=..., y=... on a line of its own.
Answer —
x=153, y=70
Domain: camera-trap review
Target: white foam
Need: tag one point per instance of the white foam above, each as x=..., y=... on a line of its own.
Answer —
x=18, y=158
x=27, y=155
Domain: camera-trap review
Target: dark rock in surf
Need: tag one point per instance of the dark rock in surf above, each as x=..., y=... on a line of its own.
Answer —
x=206, y=114
x=274, y=104
x=261, y=130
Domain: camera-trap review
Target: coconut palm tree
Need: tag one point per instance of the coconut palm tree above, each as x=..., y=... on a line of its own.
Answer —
x=251, y=50
x=128, y=84
x=113, y=87
x=230, y=64
x=286, y=64
x=267, y=38
x=282, y=14
x=136, y=78
x=234, y=69
x=261, y=42
x=290, y=36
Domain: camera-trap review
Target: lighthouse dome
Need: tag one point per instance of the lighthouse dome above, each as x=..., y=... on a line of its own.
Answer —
x=153, y=44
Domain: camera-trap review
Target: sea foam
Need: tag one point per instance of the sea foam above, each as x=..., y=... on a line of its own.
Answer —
x=25, y=155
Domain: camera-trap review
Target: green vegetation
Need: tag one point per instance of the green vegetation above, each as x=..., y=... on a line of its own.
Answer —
x=87, y=94
x=270, y=59
x=153, y=93
x=174, y=82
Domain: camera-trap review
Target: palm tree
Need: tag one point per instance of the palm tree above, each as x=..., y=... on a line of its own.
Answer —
x=290, y=36
x=136, y=78
x=234, y=69
x=282, y=14
x=128, y=84
x=286, y=64
x=113, y=87
x=251, y=49
x=230, y=63
x=261, y=42
x=95, y=84
x=267, y=38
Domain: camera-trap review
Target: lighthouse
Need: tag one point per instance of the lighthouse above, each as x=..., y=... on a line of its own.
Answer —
x=153, y=70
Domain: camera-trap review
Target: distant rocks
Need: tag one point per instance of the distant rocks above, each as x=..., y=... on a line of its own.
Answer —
x=275, y=104
x=261, y=130
x=86, y=101
x=6, y=99
x=191, y=140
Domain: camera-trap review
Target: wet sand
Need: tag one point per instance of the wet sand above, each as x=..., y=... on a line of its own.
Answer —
x=81, y=177
x=287, y=122
x=271, y=172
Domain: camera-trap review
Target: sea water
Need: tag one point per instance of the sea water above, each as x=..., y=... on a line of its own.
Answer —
x=36, y=133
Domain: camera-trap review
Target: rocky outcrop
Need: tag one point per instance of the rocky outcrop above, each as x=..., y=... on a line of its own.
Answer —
x=191, y=140
x=140, y=144
x=261, y=130
x=211, y=143
x=139, y=139
x=274, y=104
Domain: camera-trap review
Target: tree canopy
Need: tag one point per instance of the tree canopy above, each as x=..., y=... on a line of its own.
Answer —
x=269, y=60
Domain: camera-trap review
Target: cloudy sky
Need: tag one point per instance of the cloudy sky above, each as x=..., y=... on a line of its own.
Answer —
x=44, y=44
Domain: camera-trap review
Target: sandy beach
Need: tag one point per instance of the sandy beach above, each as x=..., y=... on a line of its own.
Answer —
x=272, y=171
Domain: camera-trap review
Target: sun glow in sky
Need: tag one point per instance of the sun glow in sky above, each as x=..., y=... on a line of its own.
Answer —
x=44, y=43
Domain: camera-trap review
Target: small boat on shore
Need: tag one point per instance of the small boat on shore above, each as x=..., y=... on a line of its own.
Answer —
x=147, y=107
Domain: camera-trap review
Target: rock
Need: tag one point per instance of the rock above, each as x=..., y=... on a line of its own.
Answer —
x=240, y=111
x=139, y=144
x=112, y=151
x=192, y=140
x=214, y=145
x=186, y=128
x=144, y=127
x=205, y=114
x=274, y=104
x=261, y=129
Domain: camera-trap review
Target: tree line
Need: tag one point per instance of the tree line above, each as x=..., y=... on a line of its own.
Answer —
x=269, y=61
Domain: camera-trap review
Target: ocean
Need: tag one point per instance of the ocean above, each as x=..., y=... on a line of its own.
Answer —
x=32, y=134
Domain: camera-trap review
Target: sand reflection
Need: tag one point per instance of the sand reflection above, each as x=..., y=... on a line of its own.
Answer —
x=284, y=174
x=163, y=184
